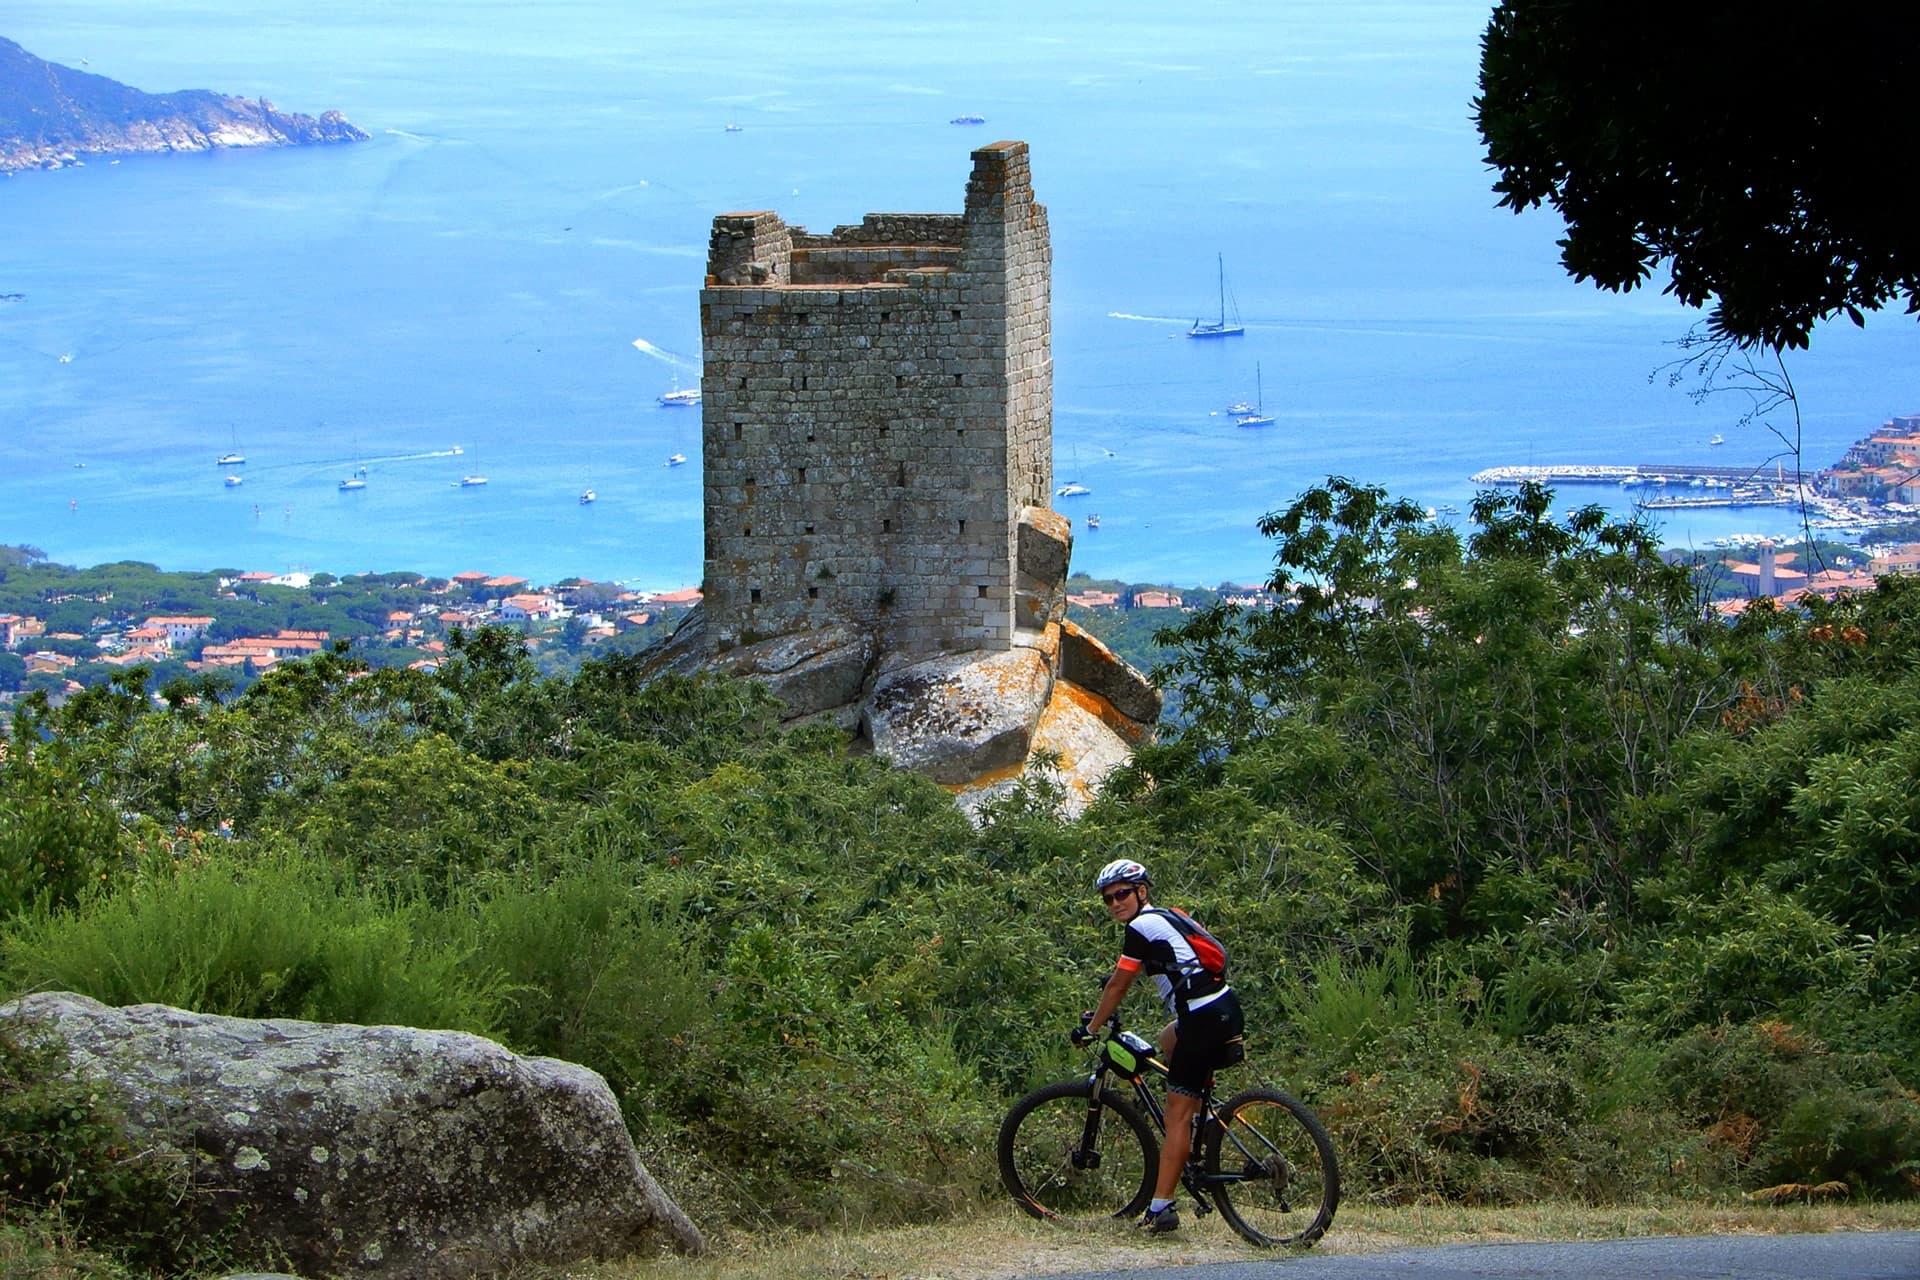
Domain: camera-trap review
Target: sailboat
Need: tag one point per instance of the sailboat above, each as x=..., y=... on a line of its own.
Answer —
x=1256, y=418
x=1225, y=326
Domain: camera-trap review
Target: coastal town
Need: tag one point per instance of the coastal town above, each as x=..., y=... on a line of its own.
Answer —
x=63, y=629
x=1875, y=483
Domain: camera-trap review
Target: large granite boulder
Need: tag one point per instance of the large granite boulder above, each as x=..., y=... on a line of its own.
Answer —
x=1043, y=549
x=1087, y=662
x=377, y=1151
x=1077, y=743
x=959, y=716
x=810, y=671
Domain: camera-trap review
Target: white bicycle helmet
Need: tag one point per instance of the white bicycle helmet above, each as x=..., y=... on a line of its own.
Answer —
x=1121, y=871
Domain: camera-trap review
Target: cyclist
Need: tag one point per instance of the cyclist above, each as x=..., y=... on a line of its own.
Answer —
x=1190, y=969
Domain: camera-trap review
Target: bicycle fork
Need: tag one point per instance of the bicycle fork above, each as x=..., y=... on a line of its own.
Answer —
x=1087, y=1154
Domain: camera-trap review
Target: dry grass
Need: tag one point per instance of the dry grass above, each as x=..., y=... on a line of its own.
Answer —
x=1000, y=1244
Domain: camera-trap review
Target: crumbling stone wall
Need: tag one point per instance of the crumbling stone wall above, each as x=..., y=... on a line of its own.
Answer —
x=877, y=411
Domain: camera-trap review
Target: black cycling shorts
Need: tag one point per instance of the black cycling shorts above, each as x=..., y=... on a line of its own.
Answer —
x=1208, y=1038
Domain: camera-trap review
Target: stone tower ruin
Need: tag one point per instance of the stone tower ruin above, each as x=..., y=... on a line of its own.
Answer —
x=877, y=413
x=877, y=419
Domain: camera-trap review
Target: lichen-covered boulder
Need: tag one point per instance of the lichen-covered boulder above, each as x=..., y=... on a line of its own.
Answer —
x=1085, y=661
x=1043, y=549
x=810, y=671
x=960, y=716
x=376, y=1151
x=1080, y=741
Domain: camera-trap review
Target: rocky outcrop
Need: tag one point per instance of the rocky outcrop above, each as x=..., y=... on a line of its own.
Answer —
x=960, y=716
x=976, y=721
x=51, y=115
x=1043, y=546
x=1088, y=663
x=376, y=1151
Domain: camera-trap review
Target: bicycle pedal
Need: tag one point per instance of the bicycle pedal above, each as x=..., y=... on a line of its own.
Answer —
x=1201, y=1208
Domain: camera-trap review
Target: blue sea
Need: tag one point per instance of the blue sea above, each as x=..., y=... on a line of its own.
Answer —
x=511, y=268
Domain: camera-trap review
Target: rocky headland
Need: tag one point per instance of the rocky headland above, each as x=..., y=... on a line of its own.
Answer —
x=51, y=116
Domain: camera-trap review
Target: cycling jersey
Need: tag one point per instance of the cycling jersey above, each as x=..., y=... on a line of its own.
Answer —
x=1156, y=944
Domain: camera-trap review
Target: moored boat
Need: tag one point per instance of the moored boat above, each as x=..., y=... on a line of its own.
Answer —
x=1254, y=417
x=1227, y=325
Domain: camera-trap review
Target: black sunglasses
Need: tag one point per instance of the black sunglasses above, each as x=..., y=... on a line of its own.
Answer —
x=1117, y=894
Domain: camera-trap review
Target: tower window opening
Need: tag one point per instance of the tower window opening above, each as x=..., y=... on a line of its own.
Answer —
x=753, y=595
x=963, y=526
x=739, y=430
x=813, y=593
x=886, y=526
x=983, y=591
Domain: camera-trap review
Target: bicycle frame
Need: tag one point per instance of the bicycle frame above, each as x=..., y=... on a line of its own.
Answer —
x=1147, y=1064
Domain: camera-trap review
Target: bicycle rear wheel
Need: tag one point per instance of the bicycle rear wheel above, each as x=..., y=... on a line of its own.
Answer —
x=1271, y=1166
x=1060, y=1159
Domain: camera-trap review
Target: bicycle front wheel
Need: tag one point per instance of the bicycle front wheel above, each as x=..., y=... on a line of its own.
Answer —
x=1063, y=1158
x=1271, y=1167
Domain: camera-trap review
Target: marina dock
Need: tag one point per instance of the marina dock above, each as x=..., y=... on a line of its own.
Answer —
x=1645, y=473
x=1670, y=486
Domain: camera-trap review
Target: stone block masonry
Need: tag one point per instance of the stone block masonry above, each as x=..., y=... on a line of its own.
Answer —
x=877, y=411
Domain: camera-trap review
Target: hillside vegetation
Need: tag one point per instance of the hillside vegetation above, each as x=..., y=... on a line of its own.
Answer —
x=1538, y=883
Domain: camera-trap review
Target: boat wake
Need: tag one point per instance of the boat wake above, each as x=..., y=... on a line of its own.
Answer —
x=1128, y=315
x=646, y=348
x=453, y=452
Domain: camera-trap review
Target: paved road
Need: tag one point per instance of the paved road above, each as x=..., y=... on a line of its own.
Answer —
x=1839, y=1255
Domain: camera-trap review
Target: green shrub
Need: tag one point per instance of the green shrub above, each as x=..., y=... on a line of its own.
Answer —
x=67, y=1165
x=58, y=837
x=589, y=971
x=1787, y=1109
x=274, y=937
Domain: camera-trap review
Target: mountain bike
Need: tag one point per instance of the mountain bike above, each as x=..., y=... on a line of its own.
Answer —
x=1083, y=1150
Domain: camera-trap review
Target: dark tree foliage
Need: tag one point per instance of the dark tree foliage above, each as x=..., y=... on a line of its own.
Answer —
x=1761, y=151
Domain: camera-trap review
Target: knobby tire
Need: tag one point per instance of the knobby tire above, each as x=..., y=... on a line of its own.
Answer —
x=1288, y=1179
x=1042, y=1135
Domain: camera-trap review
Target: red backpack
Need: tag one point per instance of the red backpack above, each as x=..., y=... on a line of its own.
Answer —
x=1206, y=947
